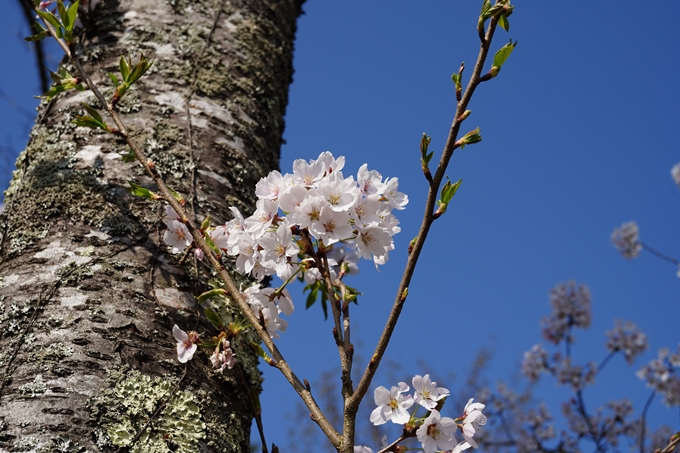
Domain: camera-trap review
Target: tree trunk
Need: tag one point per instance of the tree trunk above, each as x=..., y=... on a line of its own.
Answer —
x=88, y=291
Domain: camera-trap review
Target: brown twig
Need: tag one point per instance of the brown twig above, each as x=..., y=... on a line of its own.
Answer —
x=352, y=404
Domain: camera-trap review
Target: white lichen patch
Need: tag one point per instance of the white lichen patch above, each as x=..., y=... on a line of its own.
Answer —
x=73, y=300
x=221, y=179
x=123, y=410
x=162, y=51
x=211, y=109
x=34, y=387
x=86, y=251
x=174, y=298
x=87, y=156
x=84, y=384
x=173, y=99
x=98, y=234
x=9, y=280
x=53, y=249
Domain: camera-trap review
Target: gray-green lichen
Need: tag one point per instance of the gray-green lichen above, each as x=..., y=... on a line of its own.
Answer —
x=121, y=411
x=34, y=387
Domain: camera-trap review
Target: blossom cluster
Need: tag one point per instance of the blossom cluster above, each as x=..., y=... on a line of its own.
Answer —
x=663, y=375
x=317, y=199
x=626, y=240
x=571, y=308
x=303, y=221
x=434, y=432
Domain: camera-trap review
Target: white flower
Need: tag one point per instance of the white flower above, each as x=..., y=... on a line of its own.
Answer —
x=473, y=419
x=426, y=392
x=332, y=226
x=392, y=405
x=675, y=173
x=436, y=433
x=396, y=199
x=177, y=236
x=186, y=343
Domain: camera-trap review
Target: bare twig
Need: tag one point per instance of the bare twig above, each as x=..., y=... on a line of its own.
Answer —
x=428, y=218
x=643, y=421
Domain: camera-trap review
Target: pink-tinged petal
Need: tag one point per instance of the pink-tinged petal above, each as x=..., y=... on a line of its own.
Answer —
x=184, y=352
x=179, y=334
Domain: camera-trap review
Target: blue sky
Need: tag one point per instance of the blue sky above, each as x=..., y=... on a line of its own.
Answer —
x=579, y=135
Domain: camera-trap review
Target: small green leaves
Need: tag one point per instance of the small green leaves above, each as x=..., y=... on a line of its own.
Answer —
x=498, y=60
x=259, y=351
x=128, y=157
x=425, y=157
x=42, y=33
x=63, y=24
x=503, y=54
x=177, y=196
x=212, y=316
x=404, y=294
x=62, y=81
x=139, y=191
x=93, y=120
x=470, y=138
x=502, y=9
x=317, y=290
x=129, y=75
x=447, y=193
x=210, y=294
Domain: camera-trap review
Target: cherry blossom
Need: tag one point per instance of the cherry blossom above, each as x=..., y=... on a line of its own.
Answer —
x=392, y=405
x=437, y=433
x=186, y=343
x=426, y=392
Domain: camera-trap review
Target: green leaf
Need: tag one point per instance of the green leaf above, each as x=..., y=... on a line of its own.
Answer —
x=449, y=190
x=177, y=196
x=139, y=191
x=50, y=18
x=206, y=223
x=210, y=294
x=211, y=244
x=212, y=316
x=124, y=68
x=486, y=6
x=503, y=54
x=313, y=295
x=37, y=37
x=139, y=69
x=504, y=23
x=93, y=113
x=129, y=157
x=259, y=351
x=72, y=14
x=114, y=79
x=63, y=15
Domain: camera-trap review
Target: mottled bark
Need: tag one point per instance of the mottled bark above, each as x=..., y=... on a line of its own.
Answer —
x=88, y=293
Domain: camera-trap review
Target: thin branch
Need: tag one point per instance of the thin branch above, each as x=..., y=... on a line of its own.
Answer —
x=643, y=421
x=428, y=218
x=605, y=361
x=658, y=254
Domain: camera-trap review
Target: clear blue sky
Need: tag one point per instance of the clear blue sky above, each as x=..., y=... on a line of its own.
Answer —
x=580, y=134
